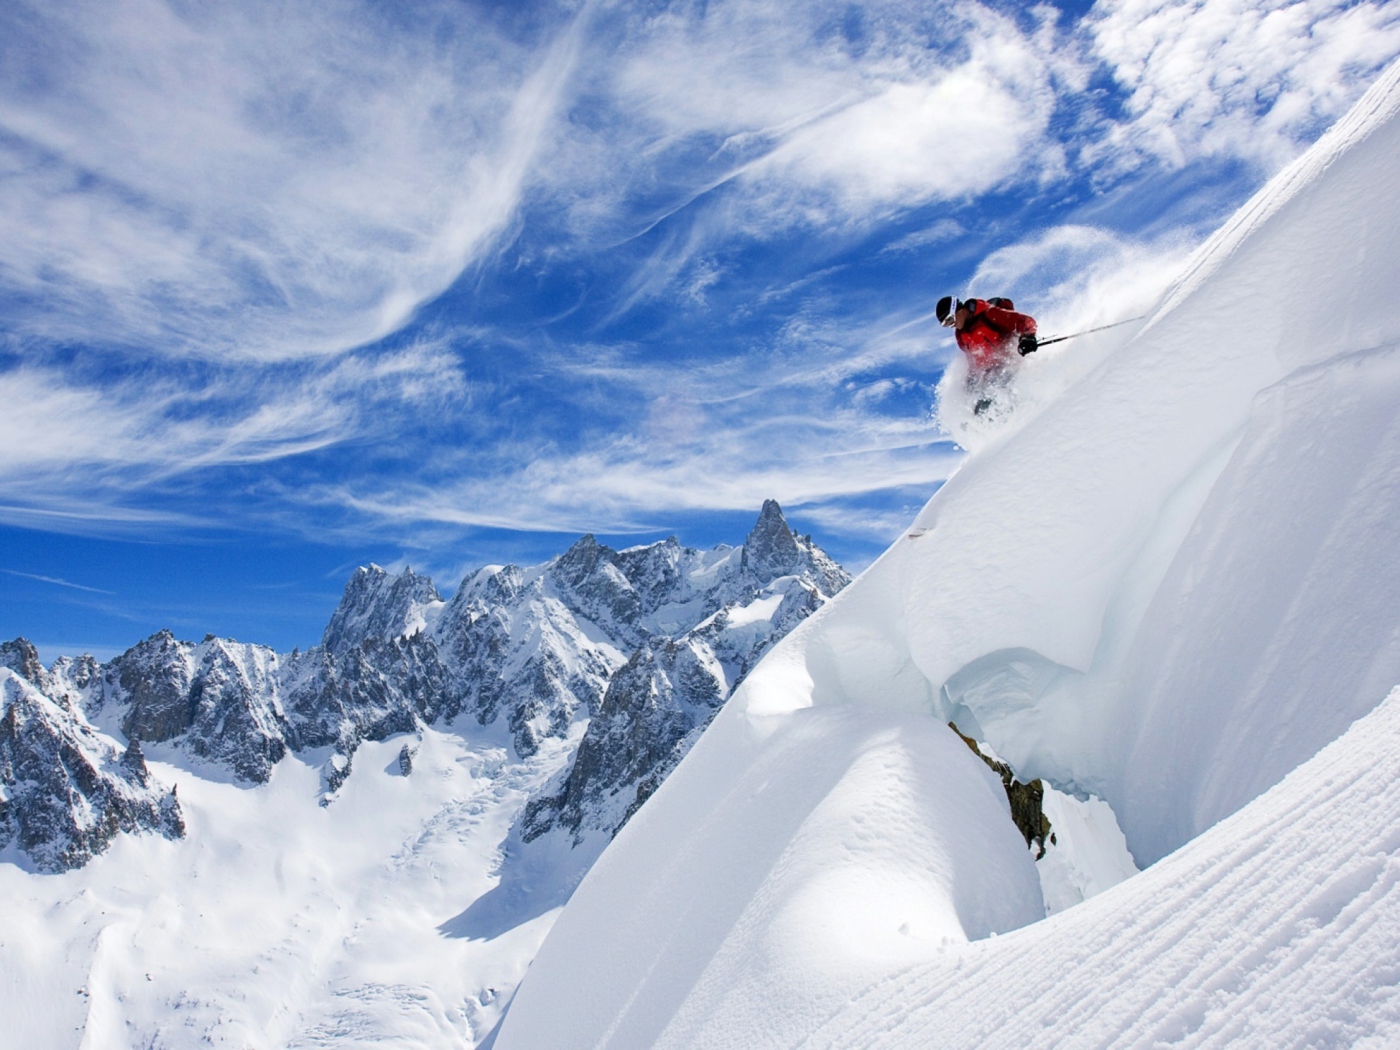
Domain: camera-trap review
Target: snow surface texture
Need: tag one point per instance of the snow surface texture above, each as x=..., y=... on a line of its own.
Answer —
x=1171, y=587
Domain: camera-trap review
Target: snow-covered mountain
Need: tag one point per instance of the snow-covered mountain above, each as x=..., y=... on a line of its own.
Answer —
x=1170, y=591
x=499, y=738
x=65, y=790
x=737, y=604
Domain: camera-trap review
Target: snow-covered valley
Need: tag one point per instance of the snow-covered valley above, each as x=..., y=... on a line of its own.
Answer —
x=215, y=844
x=276, y=921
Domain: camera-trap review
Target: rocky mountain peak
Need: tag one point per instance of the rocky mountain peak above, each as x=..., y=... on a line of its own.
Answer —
x=21, y=657
x=153, y=677
x=380, y=605
x=771, y=548
x=656, y=705
x=591, y=581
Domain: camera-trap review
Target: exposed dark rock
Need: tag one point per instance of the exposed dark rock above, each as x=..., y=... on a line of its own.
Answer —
x=334, y=773
x=369, y=692
x=21, y=657
x=654, y=571
x=591, y=584
x=238, y=720
x=771, y=549
x=512, y=647
x=64, y=792
x=74, y=682
x=154, y=677
x=219, y=697
x=1026, y=799
x=651, y=704
x=406, y=756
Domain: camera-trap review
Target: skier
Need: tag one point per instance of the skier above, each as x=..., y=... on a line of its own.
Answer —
x=995, y=338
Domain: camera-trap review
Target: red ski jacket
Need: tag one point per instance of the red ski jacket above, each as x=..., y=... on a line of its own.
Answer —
x=990, y=335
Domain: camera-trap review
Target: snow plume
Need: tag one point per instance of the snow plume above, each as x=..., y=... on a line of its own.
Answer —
x=1081, y=278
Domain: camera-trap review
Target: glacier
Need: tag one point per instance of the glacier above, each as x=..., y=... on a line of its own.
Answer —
x=1171, y=587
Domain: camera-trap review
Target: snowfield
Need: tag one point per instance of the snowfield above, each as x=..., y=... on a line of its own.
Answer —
x=1173, y=587
x=278, y=922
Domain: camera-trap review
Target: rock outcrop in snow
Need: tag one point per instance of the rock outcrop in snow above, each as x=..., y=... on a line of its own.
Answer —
x=66, y=791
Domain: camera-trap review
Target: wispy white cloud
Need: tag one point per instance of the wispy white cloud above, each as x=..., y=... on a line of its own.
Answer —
x=811, y=114
x=73, y=453
x=808, y=424
x=258, y=189
x=940, y=232
x=927, y=131
x=622, y=487
x=262, y=180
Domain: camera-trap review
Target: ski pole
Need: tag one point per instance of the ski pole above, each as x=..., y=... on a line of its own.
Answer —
x=1090, y=331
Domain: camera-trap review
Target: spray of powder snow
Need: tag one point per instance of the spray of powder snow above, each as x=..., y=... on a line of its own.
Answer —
x=1036, y=382
x=1072, y=278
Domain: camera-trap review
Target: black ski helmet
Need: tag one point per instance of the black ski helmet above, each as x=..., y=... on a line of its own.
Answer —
x=946, y=306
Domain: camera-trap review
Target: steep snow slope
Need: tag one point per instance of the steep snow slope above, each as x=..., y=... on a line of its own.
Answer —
x=1280, y=926
x=1171, y=587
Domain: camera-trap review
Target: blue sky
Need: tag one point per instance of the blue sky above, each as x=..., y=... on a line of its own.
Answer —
x=290, y=287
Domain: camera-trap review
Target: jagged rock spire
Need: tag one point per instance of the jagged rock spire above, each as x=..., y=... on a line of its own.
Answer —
x=771, y=549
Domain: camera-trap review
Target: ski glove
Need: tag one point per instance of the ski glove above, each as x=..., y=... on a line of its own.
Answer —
x=1027, y=345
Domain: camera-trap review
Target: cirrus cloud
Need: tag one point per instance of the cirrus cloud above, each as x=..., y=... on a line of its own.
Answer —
x=263, y=180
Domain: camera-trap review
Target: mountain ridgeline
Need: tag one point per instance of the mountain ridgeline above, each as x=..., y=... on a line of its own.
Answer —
x=643, y=644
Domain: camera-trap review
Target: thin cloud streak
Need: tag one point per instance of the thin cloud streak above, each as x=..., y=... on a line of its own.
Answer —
x=73, y=455
x=56, y=581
